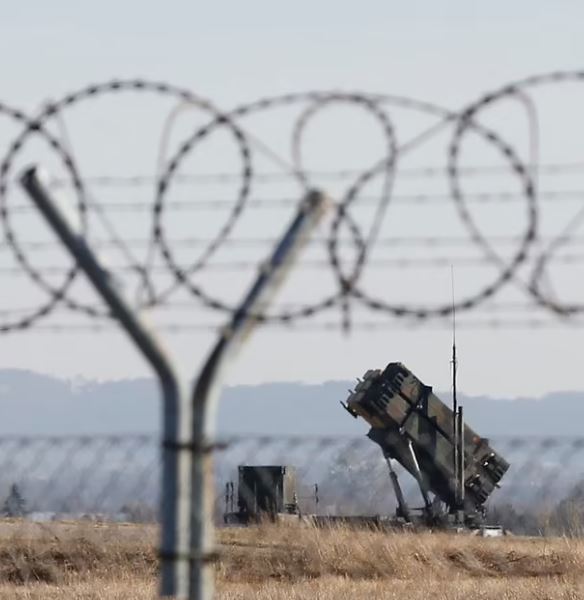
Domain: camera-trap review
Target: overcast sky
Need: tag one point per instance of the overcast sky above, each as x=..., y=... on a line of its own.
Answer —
x=447, y=53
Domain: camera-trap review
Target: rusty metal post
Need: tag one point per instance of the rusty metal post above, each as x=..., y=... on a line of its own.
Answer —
x=176, y=455
x=208, y=386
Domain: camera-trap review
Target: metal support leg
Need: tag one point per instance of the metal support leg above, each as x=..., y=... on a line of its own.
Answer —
x=176, y=456
x=208, y=385
x=403, y=508
x=420, y=480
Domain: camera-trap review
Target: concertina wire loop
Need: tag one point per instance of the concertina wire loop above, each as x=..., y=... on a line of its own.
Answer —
x=313, y=104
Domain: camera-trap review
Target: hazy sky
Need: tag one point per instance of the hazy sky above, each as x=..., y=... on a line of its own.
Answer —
x=448, y=53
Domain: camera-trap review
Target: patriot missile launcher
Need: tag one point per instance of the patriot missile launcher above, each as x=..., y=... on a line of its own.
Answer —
x=414, y=427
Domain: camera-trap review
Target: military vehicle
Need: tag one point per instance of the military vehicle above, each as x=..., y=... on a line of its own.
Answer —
x=263, y=492
x=446, y=457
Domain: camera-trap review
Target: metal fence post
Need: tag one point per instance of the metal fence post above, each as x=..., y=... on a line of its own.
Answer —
x=208, y=386
x=176, y=452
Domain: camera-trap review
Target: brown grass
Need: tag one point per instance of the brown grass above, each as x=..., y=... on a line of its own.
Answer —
x=119, y=562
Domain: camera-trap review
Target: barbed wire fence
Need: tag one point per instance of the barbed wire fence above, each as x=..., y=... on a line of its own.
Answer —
x=345, y=244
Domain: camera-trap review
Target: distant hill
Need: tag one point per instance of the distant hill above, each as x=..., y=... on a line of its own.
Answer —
x=31, y=403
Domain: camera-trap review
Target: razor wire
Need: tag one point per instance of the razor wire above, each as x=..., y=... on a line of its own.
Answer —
x=116, y=479
x=344, y=232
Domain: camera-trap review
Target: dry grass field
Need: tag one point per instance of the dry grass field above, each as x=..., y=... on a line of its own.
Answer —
x=265, y=563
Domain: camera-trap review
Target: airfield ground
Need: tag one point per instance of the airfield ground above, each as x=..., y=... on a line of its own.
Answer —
x=83, y=562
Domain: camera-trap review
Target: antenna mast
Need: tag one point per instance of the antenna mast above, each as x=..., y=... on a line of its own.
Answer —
x=455, y=420
x=454, y=364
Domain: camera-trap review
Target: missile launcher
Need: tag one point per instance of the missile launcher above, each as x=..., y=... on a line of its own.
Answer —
x=415, y=428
